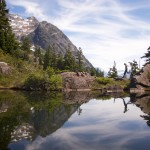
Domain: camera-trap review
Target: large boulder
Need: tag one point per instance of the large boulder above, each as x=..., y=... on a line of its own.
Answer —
x=77, y=81
x=4, y=68
x=143, y=77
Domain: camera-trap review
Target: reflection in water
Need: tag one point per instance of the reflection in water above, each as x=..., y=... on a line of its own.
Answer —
x=144, y=103
x=73, y=120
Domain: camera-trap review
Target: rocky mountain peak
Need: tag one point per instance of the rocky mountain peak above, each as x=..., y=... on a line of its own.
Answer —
x=22, y=27
x=44, y=34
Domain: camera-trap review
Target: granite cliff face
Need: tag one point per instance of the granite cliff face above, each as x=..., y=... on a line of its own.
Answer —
x=44, y=34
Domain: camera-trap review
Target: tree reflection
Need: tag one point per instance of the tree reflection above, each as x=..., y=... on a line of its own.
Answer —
x=147, y=118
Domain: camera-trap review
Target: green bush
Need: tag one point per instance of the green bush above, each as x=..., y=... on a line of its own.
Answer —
x=56, y=82
x=33, y=82
x=104, y=81
x=44, y=82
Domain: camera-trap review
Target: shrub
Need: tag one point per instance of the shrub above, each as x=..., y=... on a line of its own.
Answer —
x=104, y=81
x=37, y=82
x=33, y=82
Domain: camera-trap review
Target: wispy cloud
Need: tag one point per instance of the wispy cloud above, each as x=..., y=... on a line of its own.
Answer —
x=106, y=30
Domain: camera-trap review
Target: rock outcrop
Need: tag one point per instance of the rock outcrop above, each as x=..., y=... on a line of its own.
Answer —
x=4, y=68
x=143, y=77
x=77, y=81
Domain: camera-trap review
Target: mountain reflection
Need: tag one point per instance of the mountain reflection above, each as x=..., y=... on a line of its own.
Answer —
x=28, y=117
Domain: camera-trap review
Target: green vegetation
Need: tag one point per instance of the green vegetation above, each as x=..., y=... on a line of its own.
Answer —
x=134, y=68
x=16, y=111
x=147, y=56
x=7, y=39
x=34, y=70
x=104, y=82
x=39, y=70
x=113, y=71
x=46, y=81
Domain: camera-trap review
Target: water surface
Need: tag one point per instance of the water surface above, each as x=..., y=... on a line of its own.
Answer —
x=73, y=121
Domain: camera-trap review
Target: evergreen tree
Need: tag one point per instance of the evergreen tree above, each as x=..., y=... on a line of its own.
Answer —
x=38, y=55
x=60, y=62
x=54, y=59
x=80, y=59
x=26, y=45
x=113, y=71
x=92, y=71
x=47, y=59
x=8, y=42
x=99, y=73
x=69, y=61
x=134, y=68
x=147, y=56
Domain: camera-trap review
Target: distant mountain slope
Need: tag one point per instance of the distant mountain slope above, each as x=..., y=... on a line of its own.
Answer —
x=44, y=34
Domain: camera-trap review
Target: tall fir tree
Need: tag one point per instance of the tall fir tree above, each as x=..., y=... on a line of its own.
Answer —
x=80, y=59
x=54, y=59
x=69, y=61
x=8, y=42
x=60, y=62
x=38, y=55
x=47, y=59
x=25, y=46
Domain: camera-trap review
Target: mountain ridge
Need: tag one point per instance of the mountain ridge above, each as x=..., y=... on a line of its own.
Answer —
x=44, y=34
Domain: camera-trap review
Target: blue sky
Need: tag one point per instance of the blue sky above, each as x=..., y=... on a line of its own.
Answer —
x=106, y=30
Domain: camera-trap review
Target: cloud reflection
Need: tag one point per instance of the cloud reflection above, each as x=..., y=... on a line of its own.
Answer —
x=95, y=130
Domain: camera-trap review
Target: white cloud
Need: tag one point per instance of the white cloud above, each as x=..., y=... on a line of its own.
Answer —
x=103, y=28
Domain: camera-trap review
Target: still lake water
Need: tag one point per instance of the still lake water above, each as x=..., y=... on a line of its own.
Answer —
x=74, y=121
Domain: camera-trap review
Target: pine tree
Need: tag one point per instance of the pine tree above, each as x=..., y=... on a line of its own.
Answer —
x=54, y=59
x=147, y=56
x=80, y=59
x=25, y=46
x=60, y=62
x=38, y=55
x=69, y=61
x=113, y=71
x=99, y=73
x=134, y=68
x=8, y=42
x=47, y=59
x=92, y=71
